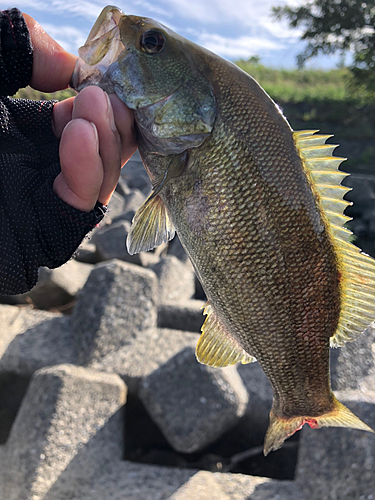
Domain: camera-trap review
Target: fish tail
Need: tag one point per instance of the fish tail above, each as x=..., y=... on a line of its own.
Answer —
x=280, y=429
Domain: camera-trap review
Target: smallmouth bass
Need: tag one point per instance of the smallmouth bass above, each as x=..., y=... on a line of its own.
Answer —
x=258, y=209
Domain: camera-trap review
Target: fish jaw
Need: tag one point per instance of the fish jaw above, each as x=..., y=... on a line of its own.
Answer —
x=282, y=428
x=101, y=49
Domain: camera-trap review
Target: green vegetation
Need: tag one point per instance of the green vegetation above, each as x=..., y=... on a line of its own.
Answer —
x=300, y=85
x=327, y=101
x=29, y=93
x=337, y=26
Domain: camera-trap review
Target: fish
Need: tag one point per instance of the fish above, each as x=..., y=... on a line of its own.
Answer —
x=257, y=206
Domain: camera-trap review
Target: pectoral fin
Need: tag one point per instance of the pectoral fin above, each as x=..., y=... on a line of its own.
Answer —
x=151, y=226
x=175, y=168
x=216, y=347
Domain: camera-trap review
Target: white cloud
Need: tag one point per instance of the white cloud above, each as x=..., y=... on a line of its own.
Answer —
x=233, y=31
x=141, y=6
x=235, y=48
x=68, y=37
x=280, y=29
x=244, y=12
x=88, y=9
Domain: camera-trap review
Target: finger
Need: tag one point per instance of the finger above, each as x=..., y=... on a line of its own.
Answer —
x=81, y=175
x=92, y=104
x=124, y=120
x=61, y=115
x=52, y=65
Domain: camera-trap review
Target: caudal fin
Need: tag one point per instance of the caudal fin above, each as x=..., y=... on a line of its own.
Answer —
x=281, y=428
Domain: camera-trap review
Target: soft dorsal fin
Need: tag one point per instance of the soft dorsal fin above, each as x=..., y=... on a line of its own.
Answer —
x=357, y=269
x=216, y=347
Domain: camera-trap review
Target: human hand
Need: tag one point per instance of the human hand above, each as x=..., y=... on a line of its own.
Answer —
x=95, y=130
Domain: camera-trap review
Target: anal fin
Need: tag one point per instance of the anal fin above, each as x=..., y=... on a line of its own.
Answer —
x=216, y=347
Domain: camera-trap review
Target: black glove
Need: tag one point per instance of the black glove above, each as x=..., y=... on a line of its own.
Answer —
x=36, y=227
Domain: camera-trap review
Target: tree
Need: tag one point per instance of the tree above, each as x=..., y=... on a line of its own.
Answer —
x=332, y=26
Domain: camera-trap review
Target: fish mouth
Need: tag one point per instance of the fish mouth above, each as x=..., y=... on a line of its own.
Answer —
x=101, y=49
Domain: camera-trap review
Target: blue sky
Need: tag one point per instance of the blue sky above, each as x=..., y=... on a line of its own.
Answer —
x=233, y=32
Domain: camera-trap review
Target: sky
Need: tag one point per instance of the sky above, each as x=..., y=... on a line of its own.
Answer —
x=232, y=32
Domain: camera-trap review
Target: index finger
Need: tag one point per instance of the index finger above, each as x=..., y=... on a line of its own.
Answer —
x=52, y=66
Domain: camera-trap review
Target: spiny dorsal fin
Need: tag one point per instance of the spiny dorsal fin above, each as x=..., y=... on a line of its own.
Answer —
x=151, y=226
x=357, y=269
x=216, y=347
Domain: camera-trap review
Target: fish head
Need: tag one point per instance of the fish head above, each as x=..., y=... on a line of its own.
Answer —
x=154, y=72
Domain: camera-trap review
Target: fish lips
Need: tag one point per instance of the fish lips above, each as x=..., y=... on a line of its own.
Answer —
x=85, y=75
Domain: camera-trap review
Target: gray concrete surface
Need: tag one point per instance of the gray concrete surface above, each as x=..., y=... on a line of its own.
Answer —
x=339, y=464
x=193, y=404
x=66, y=409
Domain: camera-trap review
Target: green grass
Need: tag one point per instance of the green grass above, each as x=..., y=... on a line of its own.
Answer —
x=303, y=85
x=326, y=101
x=29, y=93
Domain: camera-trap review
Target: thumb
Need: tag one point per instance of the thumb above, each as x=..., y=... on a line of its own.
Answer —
x=52, y=66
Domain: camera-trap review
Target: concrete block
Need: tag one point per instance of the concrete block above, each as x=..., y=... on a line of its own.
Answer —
x=176, y=280
x=255, y=422
x=119, y=480
x=122, y=187
x=175, y=248
x=351, y=364
x=187, y=315
x=336, y=463
x=218, y=486
x=2, y=455
x=31, y=339
x=116, y=307
x=135, y=175
x=191, y=403
x=116, y=207
x=12, y=390
x=202, y=486
x=57, y=287
x=87, y=253
x=152, y=349
x=65, y=409
x=111, y=244
x=243, y=487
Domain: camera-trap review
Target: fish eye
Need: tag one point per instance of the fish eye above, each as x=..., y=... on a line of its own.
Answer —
x=152, y=41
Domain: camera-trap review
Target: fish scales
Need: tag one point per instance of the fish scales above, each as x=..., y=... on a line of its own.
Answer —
x=256, y=208
x=272, y=293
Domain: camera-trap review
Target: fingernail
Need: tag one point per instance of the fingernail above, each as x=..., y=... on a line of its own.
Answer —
x=96, y=137
x=111, y=118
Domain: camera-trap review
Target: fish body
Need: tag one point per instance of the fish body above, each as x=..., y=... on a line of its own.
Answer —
x=257, y=207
